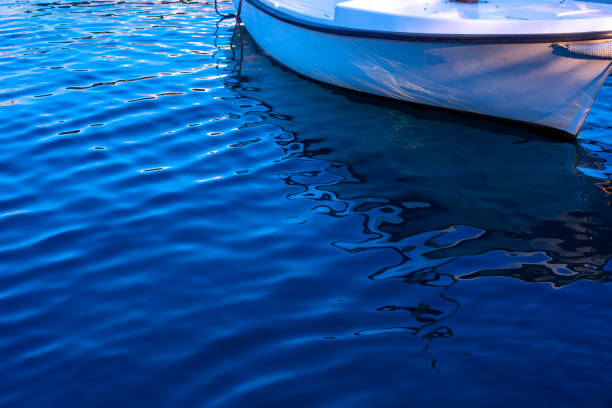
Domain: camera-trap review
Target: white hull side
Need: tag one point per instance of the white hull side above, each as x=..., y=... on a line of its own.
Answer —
x=525, y=82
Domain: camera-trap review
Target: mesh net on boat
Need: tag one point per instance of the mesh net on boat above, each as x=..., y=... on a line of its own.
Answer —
x=601, y=49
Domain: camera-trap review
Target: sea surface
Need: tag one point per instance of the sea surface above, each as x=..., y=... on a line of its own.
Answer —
x=184, y=223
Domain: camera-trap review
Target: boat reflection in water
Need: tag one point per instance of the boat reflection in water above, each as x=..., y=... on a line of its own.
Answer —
x=447, y=198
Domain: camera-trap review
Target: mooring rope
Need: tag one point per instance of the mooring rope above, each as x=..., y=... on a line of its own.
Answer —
x=230, y=15
x=237, y=32
x=238, y=12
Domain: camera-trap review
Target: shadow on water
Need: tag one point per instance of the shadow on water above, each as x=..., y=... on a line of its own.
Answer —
x=454, y=197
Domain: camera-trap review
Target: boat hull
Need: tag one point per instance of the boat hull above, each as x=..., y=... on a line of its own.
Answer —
x=535, y=83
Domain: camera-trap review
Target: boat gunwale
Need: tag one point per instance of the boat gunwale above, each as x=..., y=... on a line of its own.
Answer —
x=434, y=38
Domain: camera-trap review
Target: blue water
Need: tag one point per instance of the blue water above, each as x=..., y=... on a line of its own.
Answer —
x=184, y=223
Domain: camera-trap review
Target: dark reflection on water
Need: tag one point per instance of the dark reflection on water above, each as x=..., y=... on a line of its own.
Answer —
x=454, y=197
x=183, y=222
x=451, y=201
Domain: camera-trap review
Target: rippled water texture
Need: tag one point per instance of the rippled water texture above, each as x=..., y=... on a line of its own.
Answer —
x=185, y=224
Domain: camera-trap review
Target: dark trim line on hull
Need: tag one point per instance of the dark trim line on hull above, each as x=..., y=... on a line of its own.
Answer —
x=436, y=38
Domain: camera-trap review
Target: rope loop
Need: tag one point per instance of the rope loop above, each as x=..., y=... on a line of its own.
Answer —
x=230, y=15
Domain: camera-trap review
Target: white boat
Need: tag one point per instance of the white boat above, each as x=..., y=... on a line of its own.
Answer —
x=541, y=62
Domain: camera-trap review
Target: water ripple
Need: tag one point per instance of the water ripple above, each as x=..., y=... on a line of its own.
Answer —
x=185, y=223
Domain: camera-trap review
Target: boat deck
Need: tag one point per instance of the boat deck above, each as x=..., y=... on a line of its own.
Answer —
x=493, y=17
x=489, y=10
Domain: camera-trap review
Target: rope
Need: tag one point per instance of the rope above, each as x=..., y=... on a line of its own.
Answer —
x=238, y=12
x=230, y=15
